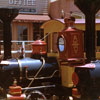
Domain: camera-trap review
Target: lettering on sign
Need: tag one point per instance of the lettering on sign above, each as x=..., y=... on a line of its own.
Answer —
x=75, y=44
x=34, y=6
x=22, y=2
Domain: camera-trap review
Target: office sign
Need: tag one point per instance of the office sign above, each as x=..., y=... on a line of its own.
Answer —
x=36, y=5
x=17, y=3
x=22, y=3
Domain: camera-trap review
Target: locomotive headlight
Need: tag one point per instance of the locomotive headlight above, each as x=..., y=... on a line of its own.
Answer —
x=61, y=44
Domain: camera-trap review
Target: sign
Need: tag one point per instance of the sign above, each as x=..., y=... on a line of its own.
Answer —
x=17, y=3
x=38, y=5
x=22, y=2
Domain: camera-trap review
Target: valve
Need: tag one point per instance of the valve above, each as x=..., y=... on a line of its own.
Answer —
x=15, y=92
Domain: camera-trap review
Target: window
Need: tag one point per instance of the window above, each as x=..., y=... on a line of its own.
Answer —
x=52, y=42
x=98, y=38
x=1, y=30
x=61, y=44
x=48, y=41
x=37, y=30
x=22, y=33
x=53, y=0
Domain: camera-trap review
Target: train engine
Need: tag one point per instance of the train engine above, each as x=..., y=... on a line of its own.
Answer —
x=45, y=78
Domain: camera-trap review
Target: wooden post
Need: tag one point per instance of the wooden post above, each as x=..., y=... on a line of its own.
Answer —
x=89, y=8
x=7, y=15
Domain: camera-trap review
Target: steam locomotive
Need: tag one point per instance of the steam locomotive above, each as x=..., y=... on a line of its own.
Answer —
x=46, y=78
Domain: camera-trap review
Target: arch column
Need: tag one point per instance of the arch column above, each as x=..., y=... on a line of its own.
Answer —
x=89, y=8
x=7, y=15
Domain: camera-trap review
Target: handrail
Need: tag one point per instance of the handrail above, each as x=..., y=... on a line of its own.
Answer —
x=22, y=45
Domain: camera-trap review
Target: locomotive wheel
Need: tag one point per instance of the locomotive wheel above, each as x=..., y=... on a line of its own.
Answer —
x=36, y=95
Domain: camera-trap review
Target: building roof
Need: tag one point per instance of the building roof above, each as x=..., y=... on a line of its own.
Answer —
x=58, y=25
x=79, y=21
x=31, y=18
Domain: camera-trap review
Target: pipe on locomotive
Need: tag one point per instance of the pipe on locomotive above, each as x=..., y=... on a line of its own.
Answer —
x=29, y=78
x=43, y=62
